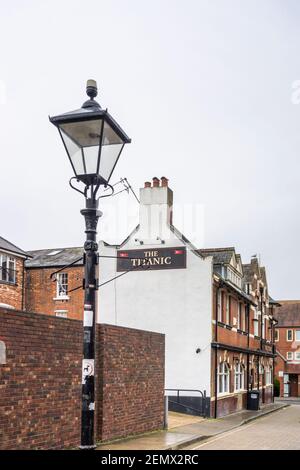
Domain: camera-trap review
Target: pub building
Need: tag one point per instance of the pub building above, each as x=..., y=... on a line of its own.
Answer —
x=214, y=311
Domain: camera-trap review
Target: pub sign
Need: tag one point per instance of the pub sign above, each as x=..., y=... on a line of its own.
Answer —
x=151, y=258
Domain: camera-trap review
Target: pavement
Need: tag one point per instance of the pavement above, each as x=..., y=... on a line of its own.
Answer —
x=276, y=431
x=182, y=436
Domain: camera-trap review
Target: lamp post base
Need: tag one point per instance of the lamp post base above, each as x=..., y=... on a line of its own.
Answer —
x=87, y=447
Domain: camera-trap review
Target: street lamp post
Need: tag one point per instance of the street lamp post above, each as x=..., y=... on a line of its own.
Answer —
x=93, y=141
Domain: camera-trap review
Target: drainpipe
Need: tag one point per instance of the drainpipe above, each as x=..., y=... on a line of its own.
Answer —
x=23, y=286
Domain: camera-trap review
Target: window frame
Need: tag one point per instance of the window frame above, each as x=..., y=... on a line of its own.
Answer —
x=276, y=335
x=10, y=271
x=287, y=334
x=223, y=378
x=239, y=377
x=297, y=331
x=59, y=284
x=291, y=354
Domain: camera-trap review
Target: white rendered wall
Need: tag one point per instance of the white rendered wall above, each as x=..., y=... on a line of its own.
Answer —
x=176, y=302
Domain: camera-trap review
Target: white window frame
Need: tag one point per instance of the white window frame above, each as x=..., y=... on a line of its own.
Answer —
x=276, y=335
x=296, y=338
x=239, y=377
x=255, y=326
x=268, y=375
x=8, y=274
x=289, y=355
x=297, y=355
x=219, y=306
x=287, y=335
x=223, y=377
x=61, y=313
x=60, y=293
x=227, y=313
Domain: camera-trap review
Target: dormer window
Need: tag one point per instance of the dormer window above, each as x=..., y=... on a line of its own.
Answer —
x=234, y=278
x=7, y=268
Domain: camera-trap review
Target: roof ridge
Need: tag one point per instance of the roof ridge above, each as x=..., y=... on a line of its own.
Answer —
x=12, y=244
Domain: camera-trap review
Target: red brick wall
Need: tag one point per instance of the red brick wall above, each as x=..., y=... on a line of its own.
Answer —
x=41, y=292
x=40, y=385
x=134, y=359
x=11, y=294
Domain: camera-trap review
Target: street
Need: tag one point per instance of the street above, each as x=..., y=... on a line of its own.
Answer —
x=277, y=431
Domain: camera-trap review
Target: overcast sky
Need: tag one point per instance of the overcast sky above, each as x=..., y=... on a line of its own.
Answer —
x=206, y=89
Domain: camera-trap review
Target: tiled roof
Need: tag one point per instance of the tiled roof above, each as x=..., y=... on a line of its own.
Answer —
x=8, y=246
x=289, y=313
x=54, y=257
x=220, y=255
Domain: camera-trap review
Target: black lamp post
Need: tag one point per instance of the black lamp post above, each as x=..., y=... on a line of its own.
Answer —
x=93, y=141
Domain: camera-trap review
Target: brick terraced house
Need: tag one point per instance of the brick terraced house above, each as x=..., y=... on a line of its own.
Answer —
x=12, y=275
x=51, y=276
x=287, y=341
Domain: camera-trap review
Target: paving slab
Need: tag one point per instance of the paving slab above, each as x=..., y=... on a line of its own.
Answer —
x=181, y=436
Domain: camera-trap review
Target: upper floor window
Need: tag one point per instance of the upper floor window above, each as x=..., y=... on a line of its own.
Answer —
x=238, y=376
x=276, y=335
x=255, y=323
x=219, y=306
x=234, y=278
x=7, y=268
x=62, y=285
x=248, y=287
x=297, y=335
x=289, y=335
x=227, y=320
x=223, y=378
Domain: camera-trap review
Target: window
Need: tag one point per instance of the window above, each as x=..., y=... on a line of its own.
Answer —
x=289, y=356
x=269, y=374
x=7, y=268
x=61, y=313
x=62, y=285
x=289, y=335
x=238, y=377
x=297, y=335
x=297, y=356
x=239, y=314
x=223, y=378
x=219, y=306
x=276, y=335
x=248, y=287
x=227, y=321
x=255, y=323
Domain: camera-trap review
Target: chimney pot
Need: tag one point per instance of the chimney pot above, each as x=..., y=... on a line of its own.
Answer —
x=147, y=184
x=155, y=182
x=164, y=181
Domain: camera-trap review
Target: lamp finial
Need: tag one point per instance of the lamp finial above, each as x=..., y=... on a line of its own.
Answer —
x=91, y=89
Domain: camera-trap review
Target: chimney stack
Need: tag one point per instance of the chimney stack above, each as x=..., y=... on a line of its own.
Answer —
x=156, y=203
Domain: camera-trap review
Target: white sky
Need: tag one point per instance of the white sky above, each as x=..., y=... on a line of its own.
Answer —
x=203, y=88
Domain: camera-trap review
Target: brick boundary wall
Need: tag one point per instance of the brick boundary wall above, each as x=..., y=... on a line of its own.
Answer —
x=40, y=384
x=131, y=372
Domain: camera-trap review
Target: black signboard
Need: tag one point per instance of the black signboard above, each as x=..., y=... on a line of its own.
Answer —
x=151, y=258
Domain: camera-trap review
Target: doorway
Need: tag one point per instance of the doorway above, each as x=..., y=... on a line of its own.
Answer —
x=293, y=379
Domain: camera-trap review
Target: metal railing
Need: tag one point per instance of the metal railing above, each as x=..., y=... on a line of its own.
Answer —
x=201, y=411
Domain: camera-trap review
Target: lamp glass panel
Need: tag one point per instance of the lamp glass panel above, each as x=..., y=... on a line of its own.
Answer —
x=82, y=140
x=111, y=147
x=75, y=154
